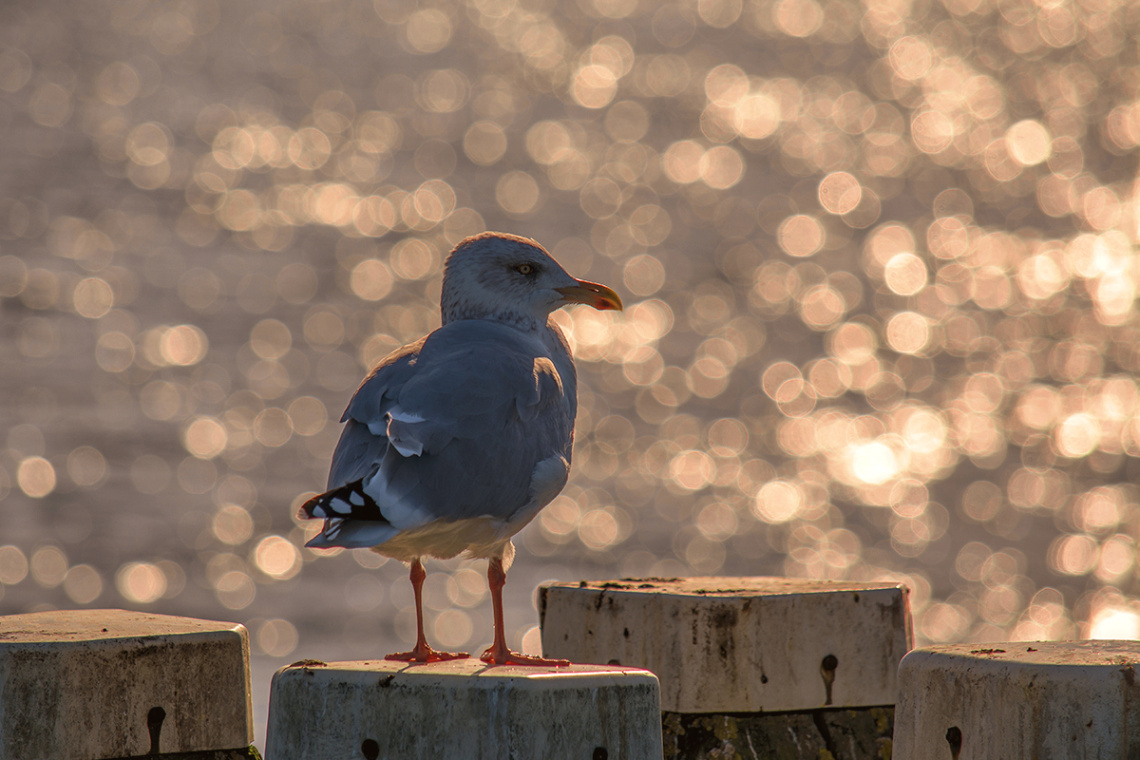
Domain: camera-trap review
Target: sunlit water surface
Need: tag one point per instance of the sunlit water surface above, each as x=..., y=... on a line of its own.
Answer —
x=879, y=263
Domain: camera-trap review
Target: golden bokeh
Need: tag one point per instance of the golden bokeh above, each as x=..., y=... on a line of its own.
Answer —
x=879, y=262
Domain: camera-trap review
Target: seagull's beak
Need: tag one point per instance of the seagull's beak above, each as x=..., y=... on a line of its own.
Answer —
x=591, y=294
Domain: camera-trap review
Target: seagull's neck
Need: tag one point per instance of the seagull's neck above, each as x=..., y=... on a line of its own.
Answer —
x=528, y=323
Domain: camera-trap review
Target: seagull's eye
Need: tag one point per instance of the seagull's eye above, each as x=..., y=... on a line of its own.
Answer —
x=525, y=269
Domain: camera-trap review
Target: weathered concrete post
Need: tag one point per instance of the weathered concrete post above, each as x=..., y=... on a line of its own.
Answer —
x=1020, y=700
x=731, y=652
x=96, y=684
x=462, y=710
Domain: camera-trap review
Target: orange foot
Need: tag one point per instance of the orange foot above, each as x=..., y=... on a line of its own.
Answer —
x=507, y=657
x=426, y=654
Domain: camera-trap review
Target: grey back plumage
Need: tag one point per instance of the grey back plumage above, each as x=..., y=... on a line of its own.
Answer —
x=483, y=401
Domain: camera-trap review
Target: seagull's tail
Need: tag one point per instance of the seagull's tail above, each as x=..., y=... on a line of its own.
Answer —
x=352, y=518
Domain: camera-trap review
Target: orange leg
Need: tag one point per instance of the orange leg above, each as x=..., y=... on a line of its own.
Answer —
x=422, y=652
x=499, y=654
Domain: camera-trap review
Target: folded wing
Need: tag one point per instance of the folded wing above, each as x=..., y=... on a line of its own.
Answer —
x=451, y=427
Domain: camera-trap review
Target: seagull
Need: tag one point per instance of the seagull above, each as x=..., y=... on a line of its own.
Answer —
x=455, y=442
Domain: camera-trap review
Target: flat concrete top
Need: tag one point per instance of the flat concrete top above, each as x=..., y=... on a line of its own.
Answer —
x=751, y=586
x=60, y=626
x=469, y=668
x=1078, y=653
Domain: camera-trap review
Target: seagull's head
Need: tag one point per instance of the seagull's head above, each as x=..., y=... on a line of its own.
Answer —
x=513, y=279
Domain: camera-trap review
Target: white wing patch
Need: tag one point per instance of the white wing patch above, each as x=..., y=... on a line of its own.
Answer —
x=407, y=446
x=400, y=415
x=379, y=426
x=543, y=366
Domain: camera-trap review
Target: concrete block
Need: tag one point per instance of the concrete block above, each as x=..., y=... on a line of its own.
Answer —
x=738, y=645
x=462, y=710
x=94, y=684
x=1020, y=700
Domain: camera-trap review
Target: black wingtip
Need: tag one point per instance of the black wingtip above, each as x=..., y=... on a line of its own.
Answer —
x=349, y=501
x=305, y=511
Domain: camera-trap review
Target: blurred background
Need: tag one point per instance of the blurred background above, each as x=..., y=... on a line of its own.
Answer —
x=879, y=262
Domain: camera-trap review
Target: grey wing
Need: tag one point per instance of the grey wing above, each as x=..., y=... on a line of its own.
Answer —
x=359, y=450
x=465, y=430
x=357, y=453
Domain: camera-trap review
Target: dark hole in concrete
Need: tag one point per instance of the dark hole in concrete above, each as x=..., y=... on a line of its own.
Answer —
x=954, y=739
x=154, y=720
x=600, y=753
x=614, y=662
x=370, y=749
x=827, y=670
